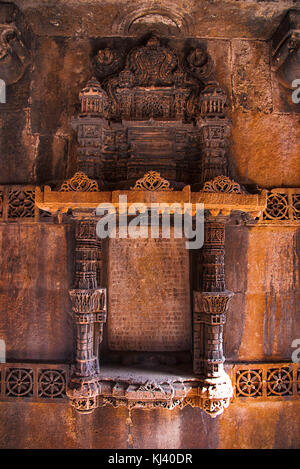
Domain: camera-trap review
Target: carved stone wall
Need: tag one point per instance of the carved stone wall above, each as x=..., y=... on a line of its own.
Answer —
x=50, y=54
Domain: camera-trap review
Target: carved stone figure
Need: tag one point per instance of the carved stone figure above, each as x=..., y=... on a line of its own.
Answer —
x=14, y=57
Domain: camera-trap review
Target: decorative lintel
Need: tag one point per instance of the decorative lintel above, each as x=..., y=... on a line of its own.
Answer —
x=216, y=202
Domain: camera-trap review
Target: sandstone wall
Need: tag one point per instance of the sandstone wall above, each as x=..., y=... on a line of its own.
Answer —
x=37, y=145
x=255, y=426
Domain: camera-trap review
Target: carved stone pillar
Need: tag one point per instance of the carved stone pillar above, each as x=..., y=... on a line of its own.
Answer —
x=88, y=125
x=210, y=306
x=89, y=312
x=215, y=128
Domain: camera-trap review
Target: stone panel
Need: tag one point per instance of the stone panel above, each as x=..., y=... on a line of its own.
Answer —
x=149, y=295
x=34, y=284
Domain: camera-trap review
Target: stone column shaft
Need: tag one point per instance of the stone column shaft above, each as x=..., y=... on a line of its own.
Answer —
x=210, y=306
x=89, y=311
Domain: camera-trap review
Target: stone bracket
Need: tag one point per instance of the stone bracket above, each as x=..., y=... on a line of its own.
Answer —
x=285, y=49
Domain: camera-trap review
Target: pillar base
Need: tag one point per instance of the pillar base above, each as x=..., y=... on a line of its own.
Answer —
x=215, y=394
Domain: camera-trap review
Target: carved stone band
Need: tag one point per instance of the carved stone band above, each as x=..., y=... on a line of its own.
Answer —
x=212, y=303
x=88, y=301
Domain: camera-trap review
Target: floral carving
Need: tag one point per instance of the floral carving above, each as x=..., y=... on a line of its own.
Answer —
x=79, y=183
x=279, y=382
x=215, y=303
x=88, y=301
x=152, y=181
x=21, y=203
x=215, y=407
x=283, y=204
x=296, y=206
x=249, y=383
x=85, y=405
x=52, y=384
x=19, y=382
x=107, y=61
x=152, y=64
x=277, y=207
x=222, y=184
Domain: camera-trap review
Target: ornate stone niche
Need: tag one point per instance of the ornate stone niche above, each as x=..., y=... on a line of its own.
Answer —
x=156, y=108
x=91, y=385
x=154, y=130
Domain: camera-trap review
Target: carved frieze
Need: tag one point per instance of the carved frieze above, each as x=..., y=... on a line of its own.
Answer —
x=156, y=82
x=264, y=381
x=42, y=382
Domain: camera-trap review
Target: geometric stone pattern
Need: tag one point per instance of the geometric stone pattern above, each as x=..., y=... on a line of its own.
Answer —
x=264, y=381
x=17, y=202
x=283, y=205
x=34, y=382
x=41, y=382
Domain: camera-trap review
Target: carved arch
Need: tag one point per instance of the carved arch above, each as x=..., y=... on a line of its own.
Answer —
x=170, y=16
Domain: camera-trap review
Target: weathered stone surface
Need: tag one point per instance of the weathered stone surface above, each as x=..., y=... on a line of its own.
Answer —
x=278, y=427
x=18, y=147
x=34, y=292
x=265, y=149
x=79, y=431
x=272, y=296
x=241, y=18
x=149, y=298
x=251, y=76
